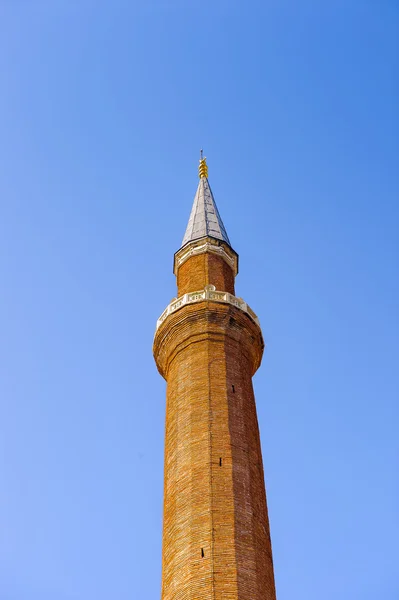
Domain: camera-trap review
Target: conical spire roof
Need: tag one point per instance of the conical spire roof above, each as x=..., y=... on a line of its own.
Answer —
x=204, y=218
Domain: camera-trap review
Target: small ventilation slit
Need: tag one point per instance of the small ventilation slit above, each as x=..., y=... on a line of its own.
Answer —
x=220, y=462
x=233, y=388
x=202, y=553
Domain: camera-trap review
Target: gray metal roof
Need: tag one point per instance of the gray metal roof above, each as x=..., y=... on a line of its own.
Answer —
x=205, y=219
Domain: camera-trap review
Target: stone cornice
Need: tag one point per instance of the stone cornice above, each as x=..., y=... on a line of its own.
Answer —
x=207, y=320
x=209, y=293
x=206, y=244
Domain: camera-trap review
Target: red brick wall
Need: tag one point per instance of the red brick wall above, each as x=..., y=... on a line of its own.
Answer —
x=218, y=508
x=204, y=269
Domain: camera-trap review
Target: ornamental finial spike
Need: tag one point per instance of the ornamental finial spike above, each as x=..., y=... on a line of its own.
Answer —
x=203, y=167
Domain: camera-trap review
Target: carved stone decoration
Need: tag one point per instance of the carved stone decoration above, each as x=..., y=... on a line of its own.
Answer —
x=207, y=244
x=209, y=293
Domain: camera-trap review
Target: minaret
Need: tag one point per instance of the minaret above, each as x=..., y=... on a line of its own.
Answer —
x=208, y=345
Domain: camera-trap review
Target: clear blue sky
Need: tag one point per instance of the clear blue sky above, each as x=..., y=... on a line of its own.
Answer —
x=104, y=106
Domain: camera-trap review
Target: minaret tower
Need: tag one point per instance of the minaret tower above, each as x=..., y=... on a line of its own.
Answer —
x=208, y=345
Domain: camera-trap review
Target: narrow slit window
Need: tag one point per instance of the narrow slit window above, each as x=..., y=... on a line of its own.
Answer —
x=202, y=553
x=220, y=462
x=233, y=388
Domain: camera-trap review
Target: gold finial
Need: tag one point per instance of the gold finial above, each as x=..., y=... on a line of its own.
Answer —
x=203, y=167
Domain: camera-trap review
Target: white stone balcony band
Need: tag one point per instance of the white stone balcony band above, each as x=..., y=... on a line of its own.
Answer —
x=208, y=293
x=203, y=245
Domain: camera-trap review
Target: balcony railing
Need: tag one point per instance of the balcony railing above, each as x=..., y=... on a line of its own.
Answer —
x=209, y=293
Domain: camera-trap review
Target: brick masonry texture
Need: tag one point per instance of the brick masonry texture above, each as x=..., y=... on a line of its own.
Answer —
x=204, y=269
x=216, y=538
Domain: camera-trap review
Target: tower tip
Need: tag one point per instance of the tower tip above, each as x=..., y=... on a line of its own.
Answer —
x=203, y=167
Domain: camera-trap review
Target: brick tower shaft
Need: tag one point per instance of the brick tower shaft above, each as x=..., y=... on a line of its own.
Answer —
x=208, y=345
